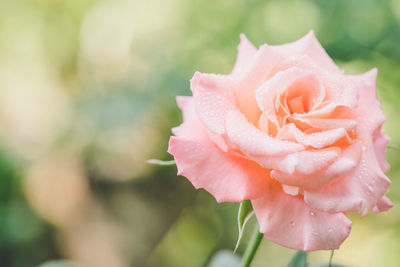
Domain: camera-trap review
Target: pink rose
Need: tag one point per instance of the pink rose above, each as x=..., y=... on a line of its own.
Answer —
x=292, y=133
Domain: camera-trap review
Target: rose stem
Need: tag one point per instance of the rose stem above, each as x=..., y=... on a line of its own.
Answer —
x=330, y=258
x=252, y=247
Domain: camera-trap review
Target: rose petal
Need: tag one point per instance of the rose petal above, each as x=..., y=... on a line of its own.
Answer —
x=229, y=178
x=383, y=204
x=262, y=63
x=186, y=104
x=366, y=84
x=380, y=144
x=290, y=190
x=213, y=97
x=246, y=52
x=326, y=175
x=310, y=46
x=330, y=110
x=290, y=222
x=369, y=112
x=317, y=140
x=328, y=124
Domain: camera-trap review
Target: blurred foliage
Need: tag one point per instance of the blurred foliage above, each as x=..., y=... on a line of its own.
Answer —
x=20, y=227
x=87, y=95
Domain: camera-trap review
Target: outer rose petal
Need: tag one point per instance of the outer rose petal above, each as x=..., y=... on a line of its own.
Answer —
x=261, y=65
x=226, y=176
x=186, y=104
x=383, y=205
x=213, y=97
x=369, y=112
x=246, y=52
x=380, y=146
x=310, y=46
x=290, y=222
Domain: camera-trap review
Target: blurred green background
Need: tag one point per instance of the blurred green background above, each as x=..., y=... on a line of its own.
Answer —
x=87, y=95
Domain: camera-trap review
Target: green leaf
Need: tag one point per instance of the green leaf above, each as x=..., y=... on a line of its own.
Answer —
x=244, y=214
x=161, y=162
x=57, y=263
x=299, y=259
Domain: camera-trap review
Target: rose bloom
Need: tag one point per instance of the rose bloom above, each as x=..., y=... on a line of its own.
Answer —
x=288, y=130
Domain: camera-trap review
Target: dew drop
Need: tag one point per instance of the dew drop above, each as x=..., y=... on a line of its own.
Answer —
x=330, y=229
x=292, y=223
x=364, y=148
x=312, y=213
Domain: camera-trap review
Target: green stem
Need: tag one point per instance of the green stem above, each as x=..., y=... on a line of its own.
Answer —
x=330, y=258
x=252, y=247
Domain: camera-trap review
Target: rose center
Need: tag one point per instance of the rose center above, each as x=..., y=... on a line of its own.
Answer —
x=296, y=105
x=302, y=96
x=298, y=98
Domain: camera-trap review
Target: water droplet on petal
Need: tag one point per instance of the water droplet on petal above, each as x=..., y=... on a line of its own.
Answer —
x=292, y=223
x=312, y=213
x=330, y=229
